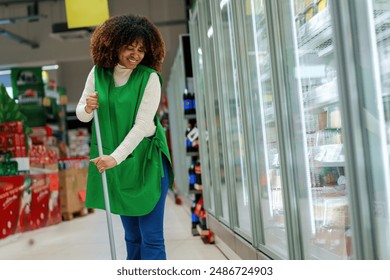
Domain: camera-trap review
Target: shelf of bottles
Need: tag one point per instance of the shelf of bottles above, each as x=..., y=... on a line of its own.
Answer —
x=198, y=213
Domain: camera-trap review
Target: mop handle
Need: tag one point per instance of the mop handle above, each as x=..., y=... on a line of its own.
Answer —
x=105, y=188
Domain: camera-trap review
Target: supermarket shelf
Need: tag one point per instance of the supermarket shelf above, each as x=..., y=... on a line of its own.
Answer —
x=315, y=32
x=385, y=65
x=190, y=116
x=330, y=163
x=330, y=155
x=201, y=231
x=316, y=35
x=72, y=118
x=381, y=19
x=266, y=75
x=195, y=192
x=321, y=96
x=260, y=23
x=269, y=115
x=190, y=154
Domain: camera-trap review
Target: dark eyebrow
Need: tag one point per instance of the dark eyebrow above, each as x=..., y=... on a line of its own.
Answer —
x=134, y=45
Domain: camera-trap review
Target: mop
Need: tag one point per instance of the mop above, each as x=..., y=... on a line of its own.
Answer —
x=105, y=189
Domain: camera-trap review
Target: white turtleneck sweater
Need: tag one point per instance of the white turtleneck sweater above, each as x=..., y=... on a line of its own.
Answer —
x=144, y=123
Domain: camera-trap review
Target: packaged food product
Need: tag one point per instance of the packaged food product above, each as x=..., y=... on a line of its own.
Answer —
x=321, y=5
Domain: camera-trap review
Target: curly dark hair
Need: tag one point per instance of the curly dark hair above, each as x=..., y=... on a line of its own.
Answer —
x=119, y=31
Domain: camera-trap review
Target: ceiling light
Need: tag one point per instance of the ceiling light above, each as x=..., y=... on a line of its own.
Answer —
x=50, y=67
x=6, y=21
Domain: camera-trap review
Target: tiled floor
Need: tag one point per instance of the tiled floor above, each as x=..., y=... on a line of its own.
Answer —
x=86, y=238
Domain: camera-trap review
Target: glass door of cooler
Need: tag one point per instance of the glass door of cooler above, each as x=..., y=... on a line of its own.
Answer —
x=381, y=19
x=201, y=114
x=214, y=122
x=232, y=111
x=265, y=136
x=327, y=235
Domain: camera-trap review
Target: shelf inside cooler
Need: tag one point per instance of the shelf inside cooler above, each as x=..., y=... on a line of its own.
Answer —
x=327, y=155
x=330, y=163
x=331, y=210
x=316, y=36
x=385, y=66
x=266, y=76
x=315, y=32
x=382, y=24
x=321, y=96
x=269, y=115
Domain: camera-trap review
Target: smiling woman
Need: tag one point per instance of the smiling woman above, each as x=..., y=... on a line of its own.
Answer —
x=125, y=87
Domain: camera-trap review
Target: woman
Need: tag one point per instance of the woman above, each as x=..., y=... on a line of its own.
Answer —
x=125, y=84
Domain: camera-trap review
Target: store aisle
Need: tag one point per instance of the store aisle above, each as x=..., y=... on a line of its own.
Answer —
x=86, y=238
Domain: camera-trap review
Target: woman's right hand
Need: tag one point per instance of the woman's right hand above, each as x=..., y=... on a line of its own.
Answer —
x=92, y=102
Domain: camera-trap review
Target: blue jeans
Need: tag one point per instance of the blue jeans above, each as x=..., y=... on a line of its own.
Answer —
x=144, y=235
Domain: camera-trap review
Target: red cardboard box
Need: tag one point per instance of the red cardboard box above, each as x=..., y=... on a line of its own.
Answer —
x=54, y=200
x=24, y=214
x=38, y=135
x=40, y=194
x=29, y=202
x=15, y=127
x=10, y=189
x=17, y=151
x=50, y=170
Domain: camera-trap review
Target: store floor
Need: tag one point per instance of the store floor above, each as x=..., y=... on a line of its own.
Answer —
x=86, y=238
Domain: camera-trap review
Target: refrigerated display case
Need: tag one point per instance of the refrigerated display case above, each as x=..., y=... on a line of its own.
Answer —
x=331, y=70
x=264, y=128
x=216, y=121
x=297, y=108
x=175, y=87
x=359, y=26
x=328, y=187
x=188, y=187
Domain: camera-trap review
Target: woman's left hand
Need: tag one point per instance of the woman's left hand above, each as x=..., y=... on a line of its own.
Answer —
x=104, y=162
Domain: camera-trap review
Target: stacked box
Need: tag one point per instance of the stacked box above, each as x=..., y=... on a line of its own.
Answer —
x=40, y=193
x=9, y=208
x=73, y=182
x=78, y=142
x=28, y=202
x=44, y=162
x=54, y=199
x=12, y=138
x=41, y=154
x=38, y=135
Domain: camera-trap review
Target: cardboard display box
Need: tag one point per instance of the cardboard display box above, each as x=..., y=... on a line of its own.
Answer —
x=9, y=207
x=54, y=199
x=73, y=182
x=28, y=202
x=40, y=194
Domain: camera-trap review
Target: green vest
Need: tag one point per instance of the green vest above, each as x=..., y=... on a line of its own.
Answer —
x=134, y=186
